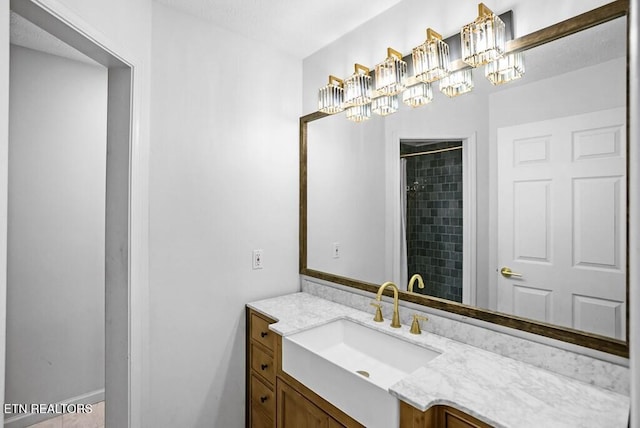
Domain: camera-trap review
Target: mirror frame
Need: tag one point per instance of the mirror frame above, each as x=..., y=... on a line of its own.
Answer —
x=565, y=28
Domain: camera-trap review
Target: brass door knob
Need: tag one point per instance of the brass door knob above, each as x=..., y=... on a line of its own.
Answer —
x=508, y=273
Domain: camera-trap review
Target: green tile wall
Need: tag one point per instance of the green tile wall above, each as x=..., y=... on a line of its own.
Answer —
x=434, y=219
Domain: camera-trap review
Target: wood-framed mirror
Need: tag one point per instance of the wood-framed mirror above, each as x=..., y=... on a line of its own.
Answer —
x=340, y=214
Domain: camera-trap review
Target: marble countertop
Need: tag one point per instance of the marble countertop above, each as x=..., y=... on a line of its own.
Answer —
x=500, y=391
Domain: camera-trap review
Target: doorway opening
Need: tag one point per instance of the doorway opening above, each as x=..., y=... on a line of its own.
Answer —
x=435, y=227
x=434, y=215
x=117, y=206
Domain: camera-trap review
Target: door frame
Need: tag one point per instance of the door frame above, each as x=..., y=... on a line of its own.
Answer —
x=126, y=252
x=469, y=207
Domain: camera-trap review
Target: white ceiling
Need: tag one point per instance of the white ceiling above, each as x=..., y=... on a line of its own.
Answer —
x=297, y=27
x=28, y=35
x=302, y=31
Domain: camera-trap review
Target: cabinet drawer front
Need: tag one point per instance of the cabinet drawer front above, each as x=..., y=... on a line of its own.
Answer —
x=263, y=364
x=262, y=397
x=260, y=332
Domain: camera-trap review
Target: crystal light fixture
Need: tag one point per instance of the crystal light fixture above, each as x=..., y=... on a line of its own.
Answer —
x=457, y=83
x=418, y=95
x=505, y=69
x=391, y=74
x=357, y=87
x=483, y=40
x=359, y=113
x=431, y=59
x=385, y=105
x=331, y=97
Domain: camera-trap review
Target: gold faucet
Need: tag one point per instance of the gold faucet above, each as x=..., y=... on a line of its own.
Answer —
x=415, y=325
x=395, y=321
x=413, y=280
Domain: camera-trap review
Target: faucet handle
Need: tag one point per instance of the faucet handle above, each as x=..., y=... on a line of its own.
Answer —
x=378, y=317
x=415, y=325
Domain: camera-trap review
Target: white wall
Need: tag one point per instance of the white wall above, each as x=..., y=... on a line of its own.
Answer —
x=4, y=178
x=55, y=290
x=124, y=26
x=346, y=160
x=224, y=181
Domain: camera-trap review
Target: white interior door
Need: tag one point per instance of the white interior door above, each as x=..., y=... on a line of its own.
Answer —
x=562, y=221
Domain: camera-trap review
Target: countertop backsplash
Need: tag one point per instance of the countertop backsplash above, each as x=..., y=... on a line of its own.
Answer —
x=585, y=368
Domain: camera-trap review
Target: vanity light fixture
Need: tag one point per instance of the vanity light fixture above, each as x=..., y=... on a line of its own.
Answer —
x=357, y=87
x=431, y=59
x=418, y=95
x=391, y=74
x=385, y=105
x=331, y=97
x=359, y=113
x=505, y=69
x=457, y=83
x=483, y=40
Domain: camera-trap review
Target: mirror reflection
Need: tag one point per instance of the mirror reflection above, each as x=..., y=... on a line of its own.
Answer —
x=532, y=184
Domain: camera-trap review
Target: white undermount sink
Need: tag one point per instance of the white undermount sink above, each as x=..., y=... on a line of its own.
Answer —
x=352, y=366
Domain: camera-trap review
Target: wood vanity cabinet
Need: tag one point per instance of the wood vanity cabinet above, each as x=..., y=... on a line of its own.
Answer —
x=261, y=372
x=437, y=417
x=296, y=411
x=275, y=399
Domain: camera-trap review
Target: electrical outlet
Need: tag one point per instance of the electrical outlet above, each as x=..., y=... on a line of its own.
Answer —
x=336, y=250
x=257, y=259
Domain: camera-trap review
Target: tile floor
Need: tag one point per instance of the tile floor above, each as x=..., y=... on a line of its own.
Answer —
x=95, y=419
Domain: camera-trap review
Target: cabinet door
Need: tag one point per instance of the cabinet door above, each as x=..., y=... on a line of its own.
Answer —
x=295, y=411
x=259, y=419
x=437, y=417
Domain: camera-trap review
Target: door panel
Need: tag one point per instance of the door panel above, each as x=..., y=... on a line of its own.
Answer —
x=562, y=221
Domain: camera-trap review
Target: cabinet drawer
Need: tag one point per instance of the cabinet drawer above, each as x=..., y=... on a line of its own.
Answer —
x=263, y=363
x=262, y=398
x=260, y=332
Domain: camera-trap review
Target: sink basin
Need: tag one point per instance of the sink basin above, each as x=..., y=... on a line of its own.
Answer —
x=352, y=366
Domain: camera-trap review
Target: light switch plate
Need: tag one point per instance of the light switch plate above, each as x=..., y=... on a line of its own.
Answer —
x=257, y=259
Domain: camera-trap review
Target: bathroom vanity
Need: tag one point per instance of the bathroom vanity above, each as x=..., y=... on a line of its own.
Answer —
x=275, y=398
x=457, y=386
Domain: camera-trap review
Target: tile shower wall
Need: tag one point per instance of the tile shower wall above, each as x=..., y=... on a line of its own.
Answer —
x=434, y=218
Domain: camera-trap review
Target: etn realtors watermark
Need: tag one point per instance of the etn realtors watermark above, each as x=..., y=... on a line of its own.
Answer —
x=58, y=408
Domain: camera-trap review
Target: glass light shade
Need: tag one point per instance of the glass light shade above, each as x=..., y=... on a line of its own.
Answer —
x=359, y=113
x=331, y=97
x=505, y=69
x=431, y=59
x=457, y=83
x=391, y=74
x=357, y=87
x=418, y=95
x=483, y=40
x=384, y=105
